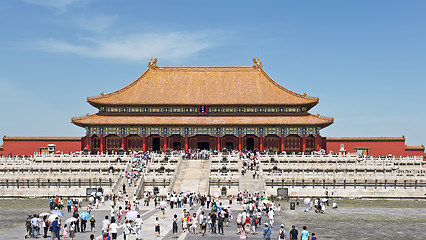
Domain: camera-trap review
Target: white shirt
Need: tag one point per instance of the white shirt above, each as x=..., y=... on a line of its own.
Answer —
x=105, y=224
x=113, y=227
x=271, y=214
x=127, y=228
x=138, y=222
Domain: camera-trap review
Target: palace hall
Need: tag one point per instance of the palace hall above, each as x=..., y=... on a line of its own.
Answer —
x=190, y=108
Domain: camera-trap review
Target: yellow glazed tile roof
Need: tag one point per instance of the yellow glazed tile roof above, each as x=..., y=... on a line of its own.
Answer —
x=96, y=119
x=203, y=86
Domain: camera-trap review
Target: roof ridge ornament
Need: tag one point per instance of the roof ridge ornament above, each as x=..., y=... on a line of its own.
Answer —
x=257, y=63
x=152, y=64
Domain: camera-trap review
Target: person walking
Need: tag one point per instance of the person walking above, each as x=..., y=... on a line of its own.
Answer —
x=105, y=225
x=28, y=227
x=175, y=226
x=293, y=233
x=127, y=228
x=267, y=232
x=92, y=223
x=194, y=223
x=113, y=229
x=304, y=235
x=282, y=235
x=56, y=227
x=35, y=226
x=243, y=234
x=253, y=223
x=71, y=230
x=65, y=232
x=45, y=225
x=138, y=225
x=203, y=226
x=83, y=225
x=271, y=217
x=220, y=223
x=69, y=202
x=120, y=213
x=157, y=227
x=213, y=218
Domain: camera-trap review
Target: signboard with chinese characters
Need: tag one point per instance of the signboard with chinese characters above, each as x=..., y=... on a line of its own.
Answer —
x=202, y=109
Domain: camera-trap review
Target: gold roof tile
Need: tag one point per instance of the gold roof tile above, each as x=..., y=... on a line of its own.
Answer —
x=202, y=120
x=203, y=86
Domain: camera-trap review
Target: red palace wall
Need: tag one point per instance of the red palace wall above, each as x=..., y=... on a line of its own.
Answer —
x=29, y=145
x=378, y=146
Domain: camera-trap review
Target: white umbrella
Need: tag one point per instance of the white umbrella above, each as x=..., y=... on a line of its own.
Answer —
x=71, y=219
x=44, y=214
x=163, y=204
x=52, y=217
x=132, y=215
x=306, y=200
x=216, y=194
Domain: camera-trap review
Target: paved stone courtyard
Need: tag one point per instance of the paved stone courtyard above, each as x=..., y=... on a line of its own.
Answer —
x=354, y=219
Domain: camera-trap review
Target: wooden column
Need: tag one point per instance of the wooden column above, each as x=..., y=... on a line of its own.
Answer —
x=123, y=142
x=218, y=143
x=186, y=143
x=101, y=141
x=282, y=142
x=303, y=143
x=165, y=143
x=144, y=143
x=318, y=140
x=240, y=143
x=87, y=143
x=261, y=143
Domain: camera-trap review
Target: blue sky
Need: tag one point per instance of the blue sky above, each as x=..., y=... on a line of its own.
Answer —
x=365, y=60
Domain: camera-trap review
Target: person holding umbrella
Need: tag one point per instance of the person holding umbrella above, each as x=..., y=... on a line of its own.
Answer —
x=72, y=230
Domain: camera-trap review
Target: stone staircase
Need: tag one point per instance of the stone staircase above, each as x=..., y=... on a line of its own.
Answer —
x=179, y=176
x=203, y=187
x=246, y=181
x=193, y=176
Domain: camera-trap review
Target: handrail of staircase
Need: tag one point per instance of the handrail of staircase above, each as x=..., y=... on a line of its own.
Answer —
x=115, y=185
x=172, y=183
x=140, y=185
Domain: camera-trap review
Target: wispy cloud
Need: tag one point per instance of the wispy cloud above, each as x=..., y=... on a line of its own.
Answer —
x=134, y=47
x=95, y=24
x=59, y=5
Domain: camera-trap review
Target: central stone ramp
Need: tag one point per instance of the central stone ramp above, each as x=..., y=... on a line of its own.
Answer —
x=246, y=182
x=193, y=177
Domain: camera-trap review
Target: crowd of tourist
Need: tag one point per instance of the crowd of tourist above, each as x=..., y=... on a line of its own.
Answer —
x=201, y=214
x=51, y=222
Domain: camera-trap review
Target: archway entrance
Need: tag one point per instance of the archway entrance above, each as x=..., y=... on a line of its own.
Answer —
x=229, y=146
x=250, y=143
x=203, y=145
x=156, y=144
